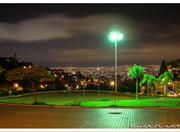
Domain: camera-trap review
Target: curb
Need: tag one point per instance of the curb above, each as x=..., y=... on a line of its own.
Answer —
x=86, y=107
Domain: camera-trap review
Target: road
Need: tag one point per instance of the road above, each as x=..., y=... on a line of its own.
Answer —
x=12, y=116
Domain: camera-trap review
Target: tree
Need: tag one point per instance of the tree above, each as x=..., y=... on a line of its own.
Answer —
x=33, y=74
x=164, y=79
x=163, y=67
x=178, y=88
x=136, y=72
x=174, y=63
x=179, y=75
x=1, y=69
x=150, y=79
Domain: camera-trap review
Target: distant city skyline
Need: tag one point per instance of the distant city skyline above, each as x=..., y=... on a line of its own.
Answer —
x=59, y=67
x=54, y=35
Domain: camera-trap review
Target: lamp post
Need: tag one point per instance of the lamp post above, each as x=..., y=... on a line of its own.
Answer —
x=55, y=75
x=115, y=36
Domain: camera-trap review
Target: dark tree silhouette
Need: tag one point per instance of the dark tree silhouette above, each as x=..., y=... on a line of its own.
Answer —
x=163, y=67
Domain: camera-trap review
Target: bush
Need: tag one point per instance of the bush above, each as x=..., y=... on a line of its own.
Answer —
x=75, y=103
x=105, y=87
x=91, y=87
x=4, y=93
x=60, y=86
x=178, y=88
x=27, y=90
x=15, y=92
x=105, y=100
x=127, y=87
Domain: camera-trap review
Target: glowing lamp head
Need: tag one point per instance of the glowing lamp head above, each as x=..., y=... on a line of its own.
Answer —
x=116, y=36
x=113, y=36
x=16, y=85
x=120, y=36
x=112, y=83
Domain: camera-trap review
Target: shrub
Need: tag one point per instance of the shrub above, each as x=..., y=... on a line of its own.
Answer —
x=75, y=103
x=127, y=87
x=105, y=100
x=91, y=87
x=4, y=93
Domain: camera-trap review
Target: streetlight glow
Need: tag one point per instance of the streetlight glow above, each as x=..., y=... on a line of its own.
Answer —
x=113, y=36
x=116, y=36
x=120, y=36
x=16, y=85
x=112, y=83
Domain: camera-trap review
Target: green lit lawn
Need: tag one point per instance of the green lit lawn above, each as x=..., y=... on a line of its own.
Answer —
x=91, y=99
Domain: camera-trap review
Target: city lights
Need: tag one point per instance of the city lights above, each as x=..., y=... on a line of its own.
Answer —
x=90, y=66
x=27, y=66
x=77, y=87
x=112, y=83
x=16, y=85
x=74, y=73
x=55, y=75
x=41, y=86
x=19, y=89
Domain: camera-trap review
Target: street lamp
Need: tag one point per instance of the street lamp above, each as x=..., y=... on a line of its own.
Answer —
x=112, y=83
x=16, y=85
x=115, y=36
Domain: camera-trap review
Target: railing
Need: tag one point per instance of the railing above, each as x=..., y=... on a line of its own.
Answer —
x=44, y=92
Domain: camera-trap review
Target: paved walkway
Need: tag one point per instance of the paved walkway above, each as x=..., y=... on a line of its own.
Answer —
x=39, y=117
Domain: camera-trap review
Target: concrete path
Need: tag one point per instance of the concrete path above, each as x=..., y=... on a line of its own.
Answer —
x=12, y=116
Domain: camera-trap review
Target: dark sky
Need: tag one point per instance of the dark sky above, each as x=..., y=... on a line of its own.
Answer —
x=77, y=35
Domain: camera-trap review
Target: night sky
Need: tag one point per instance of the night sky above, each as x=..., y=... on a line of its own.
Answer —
x=77, y=35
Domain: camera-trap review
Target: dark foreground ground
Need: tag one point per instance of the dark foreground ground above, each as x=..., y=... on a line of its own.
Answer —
x=12, y=116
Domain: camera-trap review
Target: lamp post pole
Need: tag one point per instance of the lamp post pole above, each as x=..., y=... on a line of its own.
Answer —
x=115, y=36
x=98, y=88
x=54, y=85
x=115, y=73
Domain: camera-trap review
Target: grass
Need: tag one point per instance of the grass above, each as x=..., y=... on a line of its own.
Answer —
x=92, y=99
x=136, y=103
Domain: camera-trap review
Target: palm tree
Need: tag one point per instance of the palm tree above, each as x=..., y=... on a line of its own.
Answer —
x=150, y=79
x=136, y=72
x=164, y=79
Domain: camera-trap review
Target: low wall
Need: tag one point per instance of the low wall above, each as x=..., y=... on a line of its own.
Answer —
x=44, y=92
